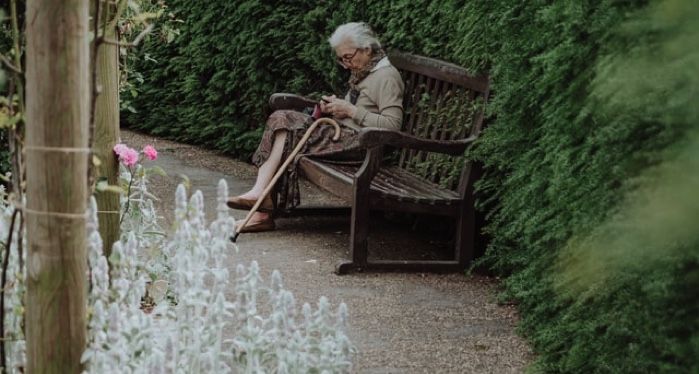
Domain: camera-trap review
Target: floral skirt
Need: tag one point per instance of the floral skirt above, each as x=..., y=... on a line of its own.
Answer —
x=319, y=145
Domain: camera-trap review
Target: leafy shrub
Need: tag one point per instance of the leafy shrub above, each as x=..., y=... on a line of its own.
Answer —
x=211, y=84
x=184, y=331
x=579, y=155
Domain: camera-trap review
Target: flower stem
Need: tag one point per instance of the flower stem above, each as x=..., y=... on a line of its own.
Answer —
x=128, y=197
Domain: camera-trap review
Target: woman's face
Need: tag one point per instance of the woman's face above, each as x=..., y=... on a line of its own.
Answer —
x=351, y=57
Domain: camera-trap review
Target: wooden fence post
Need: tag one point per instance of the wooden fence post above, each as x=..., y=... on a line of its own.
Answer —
x=57, y=116
x=107, y=128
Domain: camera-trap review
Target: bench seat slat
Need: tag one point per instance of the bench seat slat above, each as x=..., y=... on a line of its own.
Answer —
x=398, y=184
x=390, y=183
x=415, y=185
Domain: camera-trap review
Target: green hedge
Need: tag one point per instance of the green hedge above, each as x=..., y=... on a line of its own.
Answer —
x=589, y=122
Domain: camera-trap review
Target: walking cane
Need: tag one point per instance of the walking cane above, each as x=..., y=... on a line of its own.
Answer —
x=286, y=163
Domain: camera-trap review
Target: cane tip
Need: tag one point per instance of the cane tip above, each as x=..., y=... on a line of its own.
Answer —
x=234, y=238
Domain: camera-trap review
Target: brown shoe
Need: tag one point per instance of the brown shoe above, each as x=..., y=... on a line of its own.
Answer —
x=259, y=226
x=240, y=203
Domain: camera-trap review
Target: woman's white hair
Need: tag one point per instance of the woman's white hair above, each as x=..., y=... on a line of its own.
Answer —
x=358, y=33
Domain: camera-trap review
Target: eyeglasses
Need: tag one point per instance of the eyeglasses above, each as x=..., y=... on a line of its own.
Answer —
x=347, y=58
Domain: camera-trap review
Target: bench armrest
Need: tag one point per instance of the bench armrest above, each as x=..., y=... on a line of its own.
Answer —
x=370, y=137
x=279, y=101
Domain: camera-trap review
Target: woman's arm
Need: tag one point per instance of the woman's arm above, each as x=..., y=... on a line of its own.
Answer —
x=388, y=96
x=386, y=93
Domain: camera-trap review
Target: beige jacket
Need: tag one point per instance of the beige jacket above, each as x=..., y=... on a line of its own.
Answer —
x=380, y=101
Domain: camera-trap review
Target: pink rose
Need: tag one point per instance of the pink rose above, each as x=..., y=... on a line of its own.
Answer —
x=119, y=149
x=150, y=152
x=130, y=157
x=127, y=156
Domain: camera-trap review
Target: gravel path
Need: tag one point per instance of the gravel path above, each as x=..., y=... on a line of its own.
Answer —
x=400, y=323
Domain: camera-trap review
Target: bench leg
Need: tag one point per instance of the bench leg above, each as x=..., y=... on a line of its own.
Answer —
x=359, y=233
x=465, y=235
x=467, y=228
x=359, y=230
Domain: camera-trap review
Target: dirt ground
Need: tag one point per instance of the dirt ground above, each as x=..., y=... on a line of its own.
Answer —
x=400, y=323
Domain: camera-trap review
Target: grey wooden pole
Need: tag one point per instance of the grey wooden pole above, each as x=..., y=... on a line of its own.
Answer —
x=57, y=89
x=107, y=130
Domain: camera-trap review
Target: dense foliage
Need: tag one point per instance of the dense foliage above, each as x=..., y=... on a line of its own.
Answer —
x=211, y=85
x=4, y=153
x=5, y=47
x=590, y=155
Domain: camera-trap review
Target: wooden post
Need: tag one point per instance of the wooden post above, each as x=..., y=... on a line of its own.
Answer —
x=107, y=130
x=57, y=89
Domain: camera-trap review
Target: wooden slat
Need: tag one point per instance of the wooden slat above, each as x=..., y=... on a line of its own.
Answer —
x=416, y=98
x=472, y=96
x=399, y=184
x=443, y=97
x=441, y=130
x=410, y=85
x=438, y=69
x=435, y=266
x=434, y=123
x=380, y=184
x=419, y=185
x=393, y=205
x=408, y=101
x=419, y=127
x=424, y=109
x=309, y=210
x=428, y=120
x=451, y=93
x=392, y=183
x=402, y=191
x=408, y=128
x=442, y=172
x=438, y=132
x=407, y=106
x=326, y=178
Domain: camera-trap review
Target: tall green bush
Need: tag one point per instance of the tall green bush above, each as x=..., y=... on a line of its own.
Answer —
x=590, y=139
x=211, y=85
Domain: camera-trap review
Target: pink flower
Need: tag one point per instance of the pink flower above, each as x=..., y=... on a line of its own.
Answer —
x=150, y=152
x=119, y=149
x=130, y=157
x=127, y=156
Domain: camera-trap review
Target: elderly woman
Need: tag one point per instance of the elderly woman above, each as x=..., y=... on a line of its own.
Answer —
x=375, y=98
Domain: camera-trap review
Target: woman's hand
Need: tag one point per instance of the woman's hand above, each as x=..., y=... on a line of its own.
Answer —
x=337, y=107
x=325, y=100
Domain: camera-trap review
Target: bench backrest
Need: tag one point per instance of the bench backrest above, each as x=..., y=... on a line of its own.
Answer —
x=441, y=102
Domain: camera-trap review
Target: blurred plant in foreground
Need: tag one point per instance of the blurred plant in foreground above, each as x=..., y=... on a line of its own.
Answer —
x=655, y=80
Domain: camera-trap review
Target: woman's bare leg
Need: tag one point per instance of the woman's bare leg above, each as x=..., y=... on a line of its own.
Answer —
x=267, y=170
x=265, y=174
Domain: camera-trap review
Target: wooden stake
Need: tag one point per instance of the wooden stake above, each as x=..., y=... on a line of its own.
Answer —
x=107, y=130
x=57, y=89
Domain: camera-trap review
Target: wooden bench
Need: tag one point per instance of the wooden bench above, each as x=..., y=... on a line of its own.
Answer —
x=443, y=115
